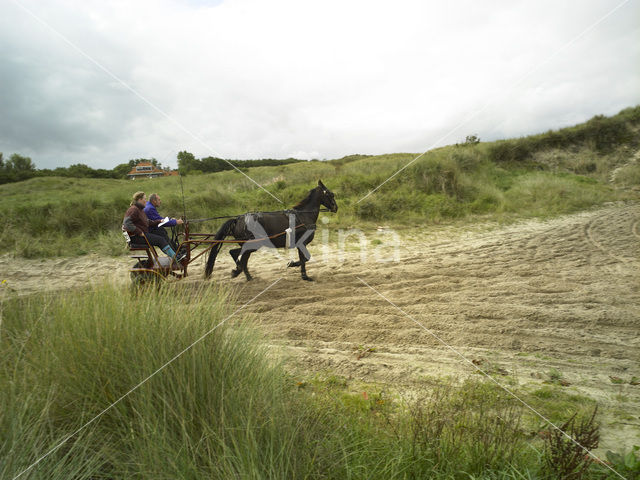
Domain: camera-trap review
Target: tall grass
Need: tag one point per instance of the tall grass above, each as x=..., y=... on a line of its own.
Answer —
x=629, y=175
x=218, y=411
x=224, y=408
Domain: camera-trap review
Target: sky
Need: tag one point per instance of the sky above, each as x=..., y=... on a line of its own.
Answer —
x=102, y=82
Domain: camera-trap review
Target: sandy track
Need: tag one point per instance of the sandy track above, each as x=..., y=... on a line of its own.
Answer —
x=521, y=299
x=533, y=287
x=524, y=299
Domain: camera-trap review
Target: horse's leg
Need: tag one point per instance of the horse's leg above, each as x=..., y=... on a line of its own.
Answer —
x=303, y=267
x=235, y=253
x=244, y=260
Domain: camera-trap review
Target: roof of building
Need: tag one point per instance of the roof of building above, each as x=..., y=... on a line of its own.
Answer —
x=146, y=168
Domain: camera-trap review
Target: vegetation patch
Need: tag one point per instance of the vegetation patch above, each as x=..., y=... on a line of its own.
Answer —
x=85, y=377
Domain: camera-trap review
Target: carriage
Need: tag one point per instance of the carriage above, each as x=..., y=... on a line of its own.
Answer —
x=153, y=268
x=293, y=228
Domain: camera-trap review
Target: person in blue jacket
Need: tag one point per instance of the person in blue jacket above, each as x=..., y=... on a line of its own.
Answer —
x=152, y=214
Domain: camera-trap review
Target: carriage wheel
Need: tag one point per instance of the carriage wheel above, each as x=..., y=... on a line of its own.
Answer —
x=144, y=279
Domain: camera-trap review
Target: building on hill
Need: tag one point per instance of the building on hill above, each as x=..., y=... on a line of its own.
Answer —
x=148, y=170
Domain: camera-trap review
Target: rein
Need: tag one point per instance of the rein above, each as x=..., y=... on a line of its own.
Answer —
x=212, y=243
x=199, y=220
x=259, y=239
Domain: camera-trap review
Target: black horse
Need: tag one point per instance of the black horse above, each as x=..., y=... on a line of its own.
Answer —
x=285, y=229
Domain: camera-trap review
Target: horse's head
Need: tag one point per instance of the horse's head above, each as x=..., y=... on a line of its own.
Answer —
x=326, y=197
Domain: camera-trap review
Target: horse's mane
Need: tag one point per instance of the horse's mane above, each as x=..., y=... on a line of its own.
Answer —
x=304, y=201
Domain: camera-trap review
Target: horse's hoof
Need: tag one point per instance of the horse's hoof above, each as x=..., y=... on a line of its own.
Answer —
x=234, y=273
x=249, y=279
x=308, y=279
x=293, y=264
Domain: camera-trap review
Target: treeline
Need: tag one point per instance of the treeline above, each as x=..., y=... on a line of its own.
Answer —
x=19, y=167
x=189, y=164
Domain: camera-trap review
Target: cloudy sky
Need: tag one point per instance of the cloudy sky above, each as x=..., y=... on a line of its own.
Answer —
x=99, y=83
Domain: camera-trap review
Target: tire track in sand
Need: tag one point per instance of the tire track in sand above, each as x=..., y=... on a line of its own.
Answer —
x=610, y=223
x=563, y=293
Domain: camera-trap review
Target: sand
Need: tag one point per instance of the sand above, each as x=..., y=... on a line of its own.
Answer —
x=513, y=301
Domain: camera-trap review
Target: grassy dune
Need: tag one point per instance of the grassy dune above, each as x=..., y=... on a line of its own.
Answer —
x=548, y=174
x=223, y=409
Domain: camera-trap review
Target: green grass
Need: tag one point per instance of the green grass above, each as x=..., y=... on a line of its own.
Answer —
x=225, y=408
x=629, y=175
x=537, y=176
x=557, y=404
x=218, y=411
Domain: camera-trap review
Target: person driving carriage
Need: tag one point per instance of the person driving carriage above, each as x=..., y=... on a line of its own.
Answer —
x=136, y=224
x=150, y=209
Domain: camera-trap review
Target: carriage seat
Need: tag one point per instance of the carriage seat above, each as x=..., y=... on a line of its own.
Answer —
x=132, y=245
x=164, y=263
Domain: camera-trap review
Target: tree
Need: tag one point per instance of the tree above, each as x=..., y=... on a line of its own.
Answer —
x=471, y=140
x=80, y=170
x=213, y=164
x=187, y=161
x=136, y=161
x=120, y=171
x=17, y=168
x=18, y=163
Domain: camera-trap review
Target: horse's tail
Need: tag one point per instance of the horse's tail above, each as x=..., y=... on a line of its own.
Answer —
x=224, y=231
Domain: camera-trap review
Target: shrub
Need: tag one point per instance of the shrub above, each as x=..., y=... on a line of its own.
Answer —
x=541, y=194
x=628, y=175
x=436, y=175
x=504, y=151
x=567, y=447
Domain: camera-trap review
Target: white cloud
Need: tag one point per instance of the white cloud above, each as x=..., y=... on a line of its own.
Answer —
x=258, y=79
